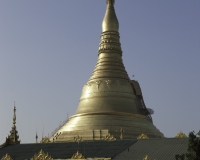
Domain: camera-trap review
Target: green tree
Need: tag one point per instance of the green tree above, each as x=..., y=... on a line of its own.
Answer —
x=193, y=147
x=180, y=157
x=193, y=151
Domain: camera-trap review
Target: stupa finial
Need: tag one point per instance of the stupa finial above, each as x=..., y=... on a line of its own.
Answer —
x=110, y=2
x=110, y=21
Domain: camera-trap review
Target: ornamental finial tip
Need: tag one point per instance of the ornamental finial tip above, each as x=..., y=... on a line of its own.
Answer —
x=110, y=22
x=110, y=2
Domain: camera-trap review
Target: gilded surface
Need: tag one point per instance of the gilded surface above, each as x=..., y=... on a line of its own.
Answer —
x=78, y=155
x=109, y=138
x=41, y=156
x=146, y=158
x=143, y=136
x=6, y=157
x=108, y=100
x=180, y=135
x=110, y=22
x=77, y=139
x=55, y=136
x=98, y=83
x=45, y=140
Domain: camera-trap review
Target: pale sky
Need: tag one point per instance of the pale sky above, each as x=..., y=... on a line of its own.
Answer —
x=48, y=50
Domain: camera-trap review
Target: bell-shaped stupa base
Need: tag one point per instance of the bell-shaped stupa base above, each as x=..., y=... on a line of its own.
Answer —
x=111, y=105
x=98, y=126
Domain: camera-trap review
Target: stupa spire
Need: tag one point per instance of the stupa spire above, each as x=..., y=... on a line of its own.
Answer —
x=110, y=21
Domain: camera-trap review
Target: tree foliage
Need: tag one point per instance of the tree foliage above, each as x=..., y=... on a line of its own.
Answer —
x=193, y=151
x=180, y=157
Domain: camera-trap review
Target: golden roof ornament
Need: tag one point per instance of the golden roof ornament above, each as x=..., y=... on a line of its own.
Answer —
x=121, y=133
x=78, y=155
x=109, y=137
x=180, y=135
x=146, y=158
x=6, y=157
x=143, y=136
x=77, y=139
x=45, y=140
x=13, y=138
x=41, y=156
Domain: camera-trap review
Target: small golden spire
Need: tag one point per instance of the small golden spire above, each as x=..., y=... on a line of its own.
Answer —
x=13, y=137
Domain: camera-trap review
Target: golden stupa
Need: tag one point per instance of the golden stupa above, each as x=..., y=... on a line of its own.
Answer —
x=111, y=105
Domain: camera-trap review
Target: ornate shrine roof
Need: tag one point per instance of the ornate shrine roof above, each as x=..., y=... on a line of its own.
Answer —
x=161, y=148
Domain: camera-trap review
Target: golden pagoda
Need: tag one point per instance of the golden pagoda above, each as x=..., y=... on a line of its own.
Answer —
x=111, y=121
x=13, y=137
x=110, y=100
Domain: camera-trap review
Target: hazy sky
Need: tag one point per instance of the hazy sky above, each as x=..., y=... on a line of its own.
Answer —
x=48, y=50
